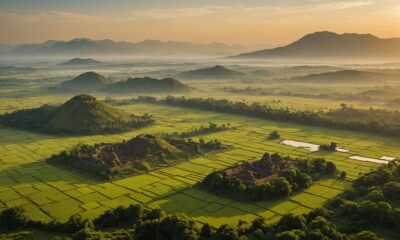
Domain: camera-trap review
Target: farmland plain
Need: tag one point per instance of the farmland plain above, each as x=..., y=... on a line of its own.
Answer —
x=50, y=193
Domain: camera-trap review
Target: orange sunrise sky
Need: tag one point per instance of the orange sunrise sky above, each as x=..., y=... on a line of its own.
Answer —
x=248, y=23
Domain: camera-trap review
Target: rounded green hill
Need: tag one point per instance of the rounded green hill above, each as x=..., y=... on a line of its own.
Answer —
x=82, y=114
x=87, y=80
x=147, y=84
x=216, y=72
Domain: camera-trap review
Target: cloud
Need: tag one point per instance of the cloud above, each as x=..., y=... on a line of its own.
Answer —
x=340, y=5
x=240, y=11
x=75, y=16
x=159, y=13
x=245, y=11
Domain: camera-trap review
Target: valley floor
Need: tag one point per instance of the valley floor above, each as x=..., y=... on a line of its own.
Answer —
x=48, y=193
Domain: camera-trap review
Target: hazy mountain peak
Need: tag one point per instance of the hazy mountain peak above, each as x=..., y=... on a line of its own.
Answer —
x=327, y=44
x=80, y=62
x=215, y=72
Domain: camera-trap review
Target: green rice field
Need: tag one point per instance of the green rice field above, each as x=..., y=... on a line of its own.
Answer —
x=50, y=193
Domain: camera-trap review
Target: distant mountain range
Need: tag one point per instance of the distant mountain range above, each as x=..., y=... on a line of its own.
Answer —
x=84, y=47
x=12, y=69
x=329, y=45
x=216, y=72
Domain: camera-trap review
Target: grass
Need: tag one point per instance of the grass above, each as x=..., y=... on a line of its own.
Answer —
x=48, y=193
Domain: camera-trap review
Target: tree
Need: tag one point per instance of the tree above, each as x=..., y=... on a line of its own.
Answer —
x=273, y=135
x=77, y=223
x=288, y=235
x=291, y=222
x=304, y=180
x=392, y=190
x=206, y=231
x=282, y=186
x=330, y=168
x=13, y=218
x=375, y=196
x=88, y=234
x=318, y=212
x=226, y=232
x=366, y=235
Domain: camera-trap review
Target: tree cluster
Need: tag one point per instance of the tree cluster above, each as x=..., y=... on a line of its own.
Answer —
x=372, y=200
x=282, y=183
x=114, y=160
x=328, y=147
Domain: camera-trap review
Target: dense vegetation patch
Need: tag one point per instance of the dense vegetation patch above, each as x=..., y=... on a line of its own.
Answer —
x=373, y=201
x=139, y=154
x=195, y=131
x=328, y=147
x=273, y=135
x=82, y=114
x=372, y=120
x=137, y=223
x=272, y=176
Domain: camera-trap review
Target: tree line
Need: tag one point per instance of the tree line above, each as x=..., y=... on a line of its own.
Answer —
x=371, y=120
x=194, y=131
x=138, y=223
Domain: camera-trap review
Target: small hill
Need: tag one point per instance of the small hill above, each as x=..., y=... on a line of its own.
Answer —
x=145, y=144
x=86, y=81
x=141, y=153
x=147, y=84
x=216, y=72
x=346, y=76
x=334, y=46
x=82, y=114
x=80, y=62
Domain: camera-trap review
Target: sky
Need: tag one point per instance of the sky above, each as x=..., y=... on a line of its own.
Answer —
x=246, y=22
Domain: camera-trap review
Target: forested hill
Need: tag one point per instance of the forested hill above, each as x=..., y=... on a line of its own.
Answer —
x=82, y=114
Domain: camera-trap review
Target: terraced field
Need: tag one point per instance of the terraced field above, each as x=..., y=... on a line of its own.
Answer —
x=47, y=192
